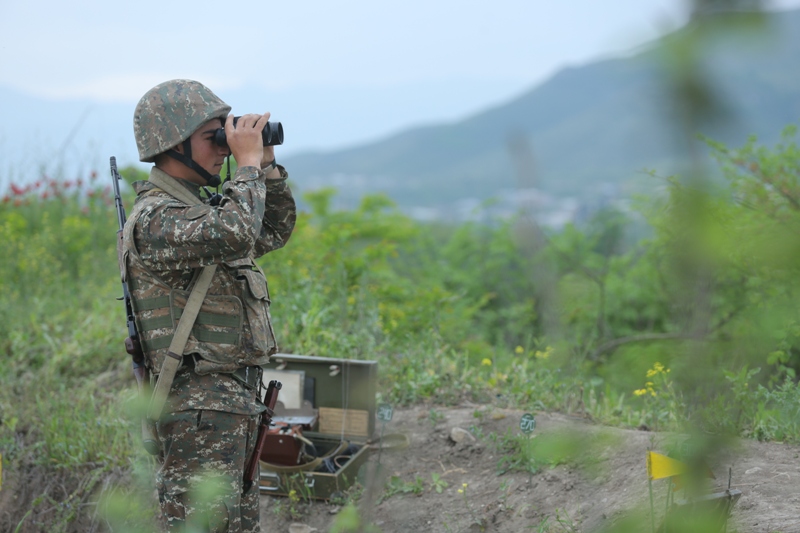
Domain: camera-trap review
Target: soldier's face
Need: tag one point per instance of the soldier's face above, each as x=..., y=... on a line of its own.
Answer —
x=205, y=151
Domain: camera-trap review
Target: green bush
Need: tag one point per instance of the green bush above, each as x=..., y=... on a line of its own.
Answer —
x=576, y=323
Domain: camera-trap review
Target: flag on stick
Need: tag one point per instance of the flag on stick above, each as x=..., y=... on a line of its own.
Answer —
x=660, y=466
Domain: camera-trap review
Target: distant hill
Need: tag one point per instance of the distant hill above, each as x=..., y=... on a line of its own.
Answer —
x=589, y=127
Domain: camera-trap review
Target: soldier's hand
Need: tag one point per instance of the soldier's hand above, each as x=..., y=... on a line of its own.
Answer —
x=245, y=139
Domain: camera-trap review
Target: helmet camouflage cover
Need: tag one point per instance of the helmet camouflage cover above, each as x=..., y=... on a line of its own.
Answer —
x=170, y=112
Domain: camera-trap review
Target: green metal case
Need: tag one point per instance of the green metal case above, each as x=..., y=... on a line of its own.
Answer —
x=337, y=397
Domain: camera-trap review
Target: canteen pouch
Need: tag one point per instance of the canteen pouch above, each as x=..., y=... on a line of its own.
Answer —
x=259, y=338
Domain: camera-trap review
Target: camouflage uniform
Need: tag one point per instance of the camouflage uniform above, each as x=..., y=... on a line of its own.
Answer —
x=207, y=430
x=173, y=240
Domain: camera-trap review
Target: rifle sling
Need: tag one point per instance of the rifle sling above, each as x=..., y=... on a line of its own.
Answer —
x=175, y=354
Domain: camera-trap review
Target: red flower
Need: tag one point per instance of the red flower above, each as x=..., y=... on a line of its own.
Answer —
x=17, y=190
x=6, y=199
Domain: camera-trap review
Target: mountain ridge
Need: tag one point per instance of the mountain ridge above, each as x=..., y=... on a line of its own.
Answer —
x=600, y=123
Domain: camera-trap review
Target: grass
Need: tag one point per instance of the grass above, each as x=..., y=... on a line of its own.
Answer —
x=374, y=284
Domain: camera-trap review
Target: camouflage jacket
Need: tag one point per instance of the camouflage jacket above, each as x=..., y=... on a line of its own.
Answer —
x=165, y=244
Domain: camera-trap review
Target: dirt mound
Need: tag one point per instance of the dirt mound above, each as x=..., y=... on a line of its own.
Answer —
x=439, y=485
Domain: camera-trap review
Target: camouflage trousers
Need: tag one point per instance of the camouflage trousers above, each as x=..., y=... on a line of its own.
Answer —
x=200, y=480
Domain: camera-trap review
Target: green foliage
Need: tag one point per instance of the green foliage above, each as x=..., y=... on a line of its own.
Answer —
x=450, y=313
x=349, y=520
x=395, y=485
x=131, y=174
x=515, y=453
x=532, y=453
x=437, y=483
x=755, y=410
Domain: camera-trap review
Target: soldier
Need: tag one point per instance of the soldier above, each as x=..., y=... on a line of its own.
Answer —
x=207, y=426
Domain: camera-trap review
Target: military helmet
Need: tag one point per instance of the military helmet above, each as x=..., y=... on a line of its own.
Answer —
x=170, y=112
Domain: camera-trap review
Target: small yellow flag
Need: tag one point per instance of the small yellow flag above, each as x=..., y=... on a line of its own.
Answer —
x=660, y=466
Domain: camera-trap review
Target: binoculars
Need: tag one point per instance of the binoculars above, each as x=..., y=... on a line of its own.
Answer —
x=272, y=134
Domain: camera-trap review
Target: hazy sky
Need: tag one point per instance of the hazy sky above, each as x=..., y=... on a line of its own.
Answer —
x=375, y=67
x=117, y=50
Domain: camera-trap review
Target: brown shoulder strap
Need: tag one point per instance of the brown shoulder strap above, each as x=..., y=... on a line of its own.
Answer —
x=171, y=186
x=175, y=353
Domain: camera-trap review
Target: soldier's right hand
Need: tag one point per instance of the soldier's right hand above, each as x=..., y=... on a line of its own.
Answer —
x=245, y=140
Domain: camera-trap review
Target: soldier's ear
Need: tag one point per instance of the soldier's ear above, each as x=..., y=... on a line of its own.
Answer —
x=178, y=148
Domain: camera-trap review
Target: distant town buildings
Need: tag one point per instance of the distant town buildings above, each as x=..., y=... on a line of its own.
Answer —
x=547, y=209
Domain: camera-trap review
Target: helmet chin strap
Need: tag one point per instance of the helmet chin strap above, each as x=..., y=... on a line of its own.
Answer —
x=212, y=180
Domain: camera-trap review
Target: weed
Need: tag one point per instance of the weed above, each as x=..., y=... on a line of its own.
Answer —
x=293, y=505
x=505, y=489
x=437, y=483
x=349, y=496
x=562, y=521
x=567, y=524
x=515, y=453
x=435, y=417
x=477, y=432
x=664, y=405
x=543, y=526
x=468, y=506
x=396, y=485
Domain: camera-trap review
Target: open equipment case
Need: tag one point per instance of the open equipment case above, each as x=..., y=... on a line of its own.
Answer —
x=324, y=422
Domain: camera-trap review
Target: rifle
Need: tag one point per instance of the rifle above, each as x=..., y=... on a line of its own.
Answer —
x=132, y=344
x=270, y=398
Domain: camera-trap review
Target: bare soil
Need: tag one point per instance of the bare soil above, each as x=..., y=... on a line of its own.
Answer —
x=581, y=496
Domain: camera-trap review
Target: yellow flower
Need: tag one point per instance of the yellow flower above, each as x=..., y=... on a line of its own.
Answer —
x=640, y=392
x=460, y=491
x=519, y=350
x=658, y=368
x=464, y=485
x=486, y=362
x=351, y=300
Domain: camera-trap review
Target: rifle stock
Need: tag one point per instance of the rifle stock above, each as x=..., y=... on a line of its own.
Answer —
x=270, y=399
